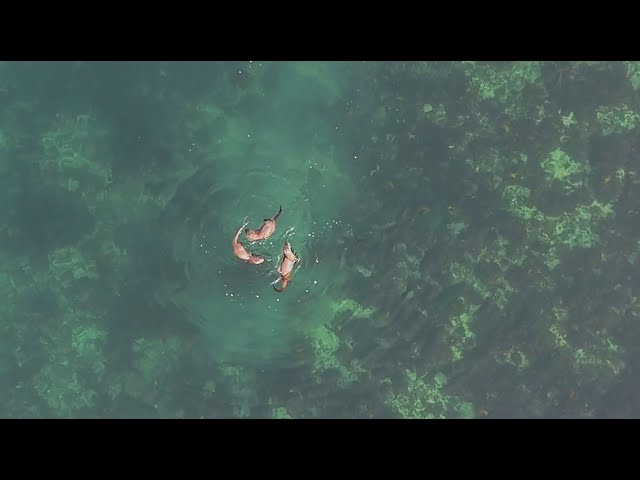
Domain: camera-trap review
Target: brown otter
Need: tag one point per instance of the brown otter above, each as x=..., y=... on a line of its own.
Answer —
x=241, y=252
x=289, y=260
x=265, y=231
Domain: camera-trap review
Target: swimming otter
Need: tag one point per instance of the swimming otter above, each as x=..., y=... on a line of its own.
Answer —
x=289, y=260
x=265, y=231
x=241, y=252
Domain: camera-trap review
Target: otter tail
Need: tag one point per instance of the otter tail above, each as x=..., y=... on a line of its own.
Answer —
x=284, y=282
x=275, y=219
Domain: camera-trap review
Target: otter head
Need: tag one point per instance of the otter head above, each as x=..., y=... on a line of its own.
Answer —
x=251, y=235
x=256, y=259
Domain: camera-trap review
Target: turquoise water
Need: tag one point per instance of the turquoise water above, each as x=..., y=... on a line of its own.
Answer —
x=280, y=153
x=468, y=235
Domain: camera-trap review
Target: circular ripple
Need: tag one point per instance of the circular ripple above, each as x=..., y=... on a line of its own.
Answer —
x=243, y=318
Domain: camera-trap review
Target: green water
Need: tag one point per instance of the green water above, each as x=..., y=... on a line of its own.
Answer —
x=275, y=151
x=468, y=235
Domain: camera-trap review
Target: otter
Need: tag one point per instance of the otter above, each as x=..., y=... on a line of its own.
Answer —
x=265, y=231
x=289, y=260
x=241, y=252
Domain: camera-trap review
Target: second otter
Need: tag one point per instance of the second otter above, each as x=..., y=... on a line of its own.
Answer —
x=265, y=231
